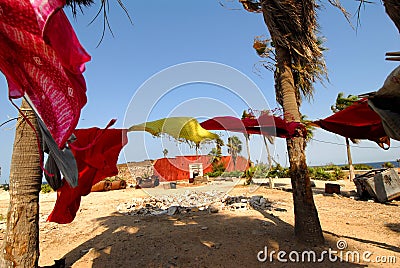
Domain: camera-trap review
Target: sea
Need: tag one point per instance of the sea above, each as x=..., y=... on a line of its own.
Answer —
x=377, y=164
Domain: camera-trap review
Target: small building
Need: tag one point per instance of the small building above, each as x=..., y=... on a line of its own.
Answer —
x=187, y=167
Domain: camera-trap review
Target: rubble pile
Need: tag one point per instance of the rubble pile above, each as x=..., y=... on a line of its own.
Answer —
x=192, y=201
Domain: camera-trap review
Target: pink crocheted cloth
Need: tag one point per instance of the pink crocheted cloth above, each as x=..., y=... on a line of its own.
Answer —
x=41, y=56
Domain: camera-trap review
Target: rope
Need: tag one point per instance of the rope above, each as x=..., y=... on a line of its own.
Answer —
x=361, y=147
x=9, y=120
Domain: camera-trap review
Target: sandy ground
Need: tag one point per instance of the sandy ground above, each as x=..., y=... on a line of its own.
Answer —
x=100, y=236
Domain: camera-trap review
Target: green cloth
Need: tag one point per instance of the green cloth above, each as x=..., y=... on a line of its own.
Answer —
x=181, y=128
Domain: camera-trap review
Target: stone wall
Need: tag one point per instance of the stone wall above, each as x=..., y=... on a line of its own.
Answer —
x=131, y=170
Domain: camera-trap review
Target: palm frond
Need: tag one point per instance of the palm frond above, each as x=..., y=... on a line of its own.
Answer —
x=78, y=3
x=104, y=10
x=337, y=4
x=292, y=24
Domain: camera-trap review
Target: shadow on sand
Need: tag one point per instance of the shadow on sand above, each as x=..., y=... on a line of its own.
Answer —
x=196, y=239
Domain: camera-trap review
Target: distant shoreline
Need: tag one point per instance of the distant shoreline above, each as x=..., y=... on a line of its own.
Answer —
x=374, y=165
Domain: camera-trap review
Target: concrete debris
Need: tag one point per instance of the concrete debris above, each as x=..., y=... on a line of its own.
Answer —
x=192, y=202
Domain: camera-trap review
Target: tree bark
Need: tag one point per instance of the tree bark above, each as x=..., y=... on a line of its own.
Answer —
x=247, y=138
x=269, y=158
x=307, y=226
x=21, y=242
x=350, y=161
x=392, y=8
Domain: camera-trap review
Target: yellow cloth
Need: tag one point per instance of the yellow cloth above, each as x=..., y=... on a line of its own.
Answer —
x=181, y=128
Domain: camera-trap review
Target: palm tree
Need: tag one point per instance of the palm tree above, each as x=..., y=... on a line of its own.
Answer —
x=298, y=63
x=165, y=152
x=270, y=139
x=269, y=157
x=21, y=241
x=309, y=128
x=216, y=153
x=392, y=8
x=234, y=148
x=341, y=104
x=246, y=114
x=216, y=156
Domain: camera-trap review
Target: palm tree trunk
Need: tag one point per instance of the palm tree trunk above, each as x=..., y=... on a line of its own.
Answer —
x=247, y=138
x=21, y=242
x=392, y=8
x=307, y=225
x=350, y=161
x=268, y=152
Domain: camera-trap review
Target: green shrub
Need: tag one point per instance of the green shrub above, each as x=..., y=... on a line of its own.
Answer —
x=318, y=173
x=278, y=171
x=46, y=188
x=388, y=165
x=217, y=170
x=262, y=170
x=338, y=174
x=236, y=174
x=358, y=167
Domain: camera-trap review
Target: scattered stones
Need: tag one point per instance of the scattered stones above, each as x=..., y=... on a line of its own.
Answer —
x=192, y=202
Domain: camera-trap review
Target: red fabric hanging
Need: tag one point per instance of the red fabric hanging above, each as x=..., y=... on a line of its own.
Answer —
x=229, y=123
x=41, y=56
x=358, y=121
x=265, y=125
x=94, y=164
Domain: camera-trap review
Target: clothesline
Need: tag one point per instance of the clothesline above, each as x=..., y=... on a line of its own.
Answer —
x=361, y=147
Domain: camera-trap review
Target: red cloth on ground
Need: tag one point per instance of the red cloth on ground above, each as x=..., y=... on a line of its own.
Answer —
x=94, y=164
x=358, y=121
x=41, y=56
x=266, y=124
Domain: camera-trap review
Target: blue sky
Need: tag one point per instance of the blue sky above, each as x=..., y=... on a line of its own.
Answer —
x=167, y=33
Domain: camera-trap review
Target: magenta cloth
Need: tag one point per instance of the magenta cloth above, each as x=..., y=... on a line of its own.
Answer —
x=266, y=125
x=95, y=163
x=357, y=121
x=41, y=56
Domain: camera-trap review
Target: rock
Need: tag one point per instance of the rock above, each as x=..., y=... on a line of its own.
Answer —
x=256, y=198
x=204, y=228
x=213, y=208
x=172, y=210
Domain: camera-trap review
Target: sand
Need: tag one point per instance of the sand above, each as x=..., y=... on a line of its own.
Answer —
x=100, y=236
